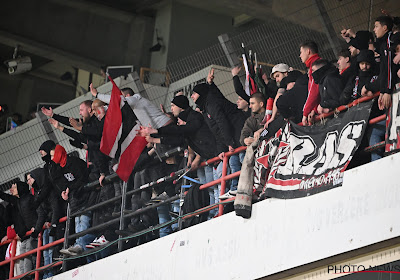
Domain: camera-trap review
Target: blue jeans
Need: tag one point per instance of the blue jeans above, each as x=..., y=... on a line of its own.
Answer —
x=377, y=135
x=82, y=223
x=163, y=217
x=235, y=164
x=47, y=254
x=206, y=175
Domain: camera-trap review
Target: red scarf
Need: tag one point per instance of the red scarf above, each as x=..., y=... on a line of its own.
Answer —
x=341, y=72
x=60, y=156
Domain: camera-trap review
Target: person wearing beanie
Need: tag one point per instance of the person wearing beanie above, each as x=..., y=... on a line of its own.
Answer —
x=45, y=149
x=181, y=101
x=23, y=202
x=225, y=121
x=194, y=130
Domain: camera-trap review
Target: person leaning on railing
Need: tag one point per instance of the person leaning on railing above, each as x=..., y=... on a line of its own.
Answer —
x=191, y=127
x=225, y=121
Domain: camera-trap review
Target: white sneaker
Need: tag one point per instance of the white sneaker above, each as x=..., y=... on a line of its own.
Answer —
x=228, y=194
x=100, y=241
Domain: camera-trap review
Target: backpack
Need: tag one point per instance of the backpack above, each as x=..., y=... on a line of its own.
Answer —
x=195, y=199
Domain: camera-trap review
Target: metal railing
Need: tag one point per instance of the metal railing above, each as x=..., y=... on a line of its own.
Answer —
x=220, y=205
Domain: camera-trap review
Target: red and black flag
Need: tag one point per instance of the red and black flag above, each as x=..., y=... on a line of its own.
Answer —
x=250, y=86
x=120, y=139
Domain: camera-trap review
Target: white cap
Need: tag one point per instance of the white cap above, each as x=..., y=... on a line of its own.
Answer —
x=281, y=67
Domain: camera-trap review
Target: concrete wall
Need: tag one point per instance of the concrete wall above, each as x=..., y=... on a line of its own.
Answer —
x=186, y=30
x=281, y=234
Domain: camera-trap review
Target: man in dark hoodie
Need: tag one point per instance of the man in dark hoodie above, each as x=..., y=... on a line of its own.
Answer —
x=48, y=210
x=364, y=77
x=69, y=175
x=23, y=202
x=353, y=90
x=330, y=85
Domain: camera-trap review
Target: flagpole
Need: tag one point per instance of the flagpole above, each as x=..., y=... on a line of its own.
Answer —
x=121, y=217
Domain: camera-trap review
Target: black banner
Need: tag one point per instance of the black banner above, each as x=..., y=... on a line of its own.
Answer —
x=392, y=137
x=300, y=161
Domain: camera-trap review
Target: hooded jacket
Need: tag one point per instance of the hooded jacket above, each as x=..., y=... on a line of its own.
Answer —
x=45, y=198
x=353, y=87
x=24, y=203
x=330, y=86
x=72, y=173
x=222, y=116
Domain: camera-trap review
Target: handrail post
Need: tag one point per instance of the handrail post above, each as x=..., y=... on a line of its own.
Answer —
x=38, y=255
x=121, y=217
x=223, y=182
x=66, y=234
x=13, y=252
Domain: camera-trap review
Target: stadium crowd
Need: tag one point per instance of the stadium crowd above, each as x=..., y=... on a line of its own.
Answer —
x=215, y=126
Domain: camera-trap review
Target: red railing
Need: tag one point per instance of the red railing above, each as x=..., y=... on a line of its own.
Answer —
x=225, y=177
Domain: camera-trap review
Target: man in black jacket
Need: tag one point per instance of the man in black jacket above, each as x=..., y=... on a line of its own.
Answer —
x=290, y=104
x=224, y=120
x=23, y=202
x=200, y=140
x=364, y=77
x=330, y=85
x=385, y=44
x=69, y=175
x=91, y=130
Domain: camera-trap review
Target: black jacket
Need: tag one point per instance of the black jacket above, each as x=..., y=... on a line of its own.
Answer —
x=350, y=72
x=353, y=88
x=45, y=197
x=26, y=208
x=196, y=133
x=330, y=86
x=385, y=46
x=91, y=134
x=290, y=104
x=223, y=117
x=237, y=84
x=74, y=175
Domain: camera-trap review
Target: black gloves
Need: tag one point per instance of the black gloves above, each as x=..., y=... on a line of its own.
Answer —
x=76, y=143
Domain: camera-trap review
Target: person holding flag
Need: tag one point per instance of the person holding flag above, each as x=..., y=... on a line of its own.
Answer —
x=120, y=140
